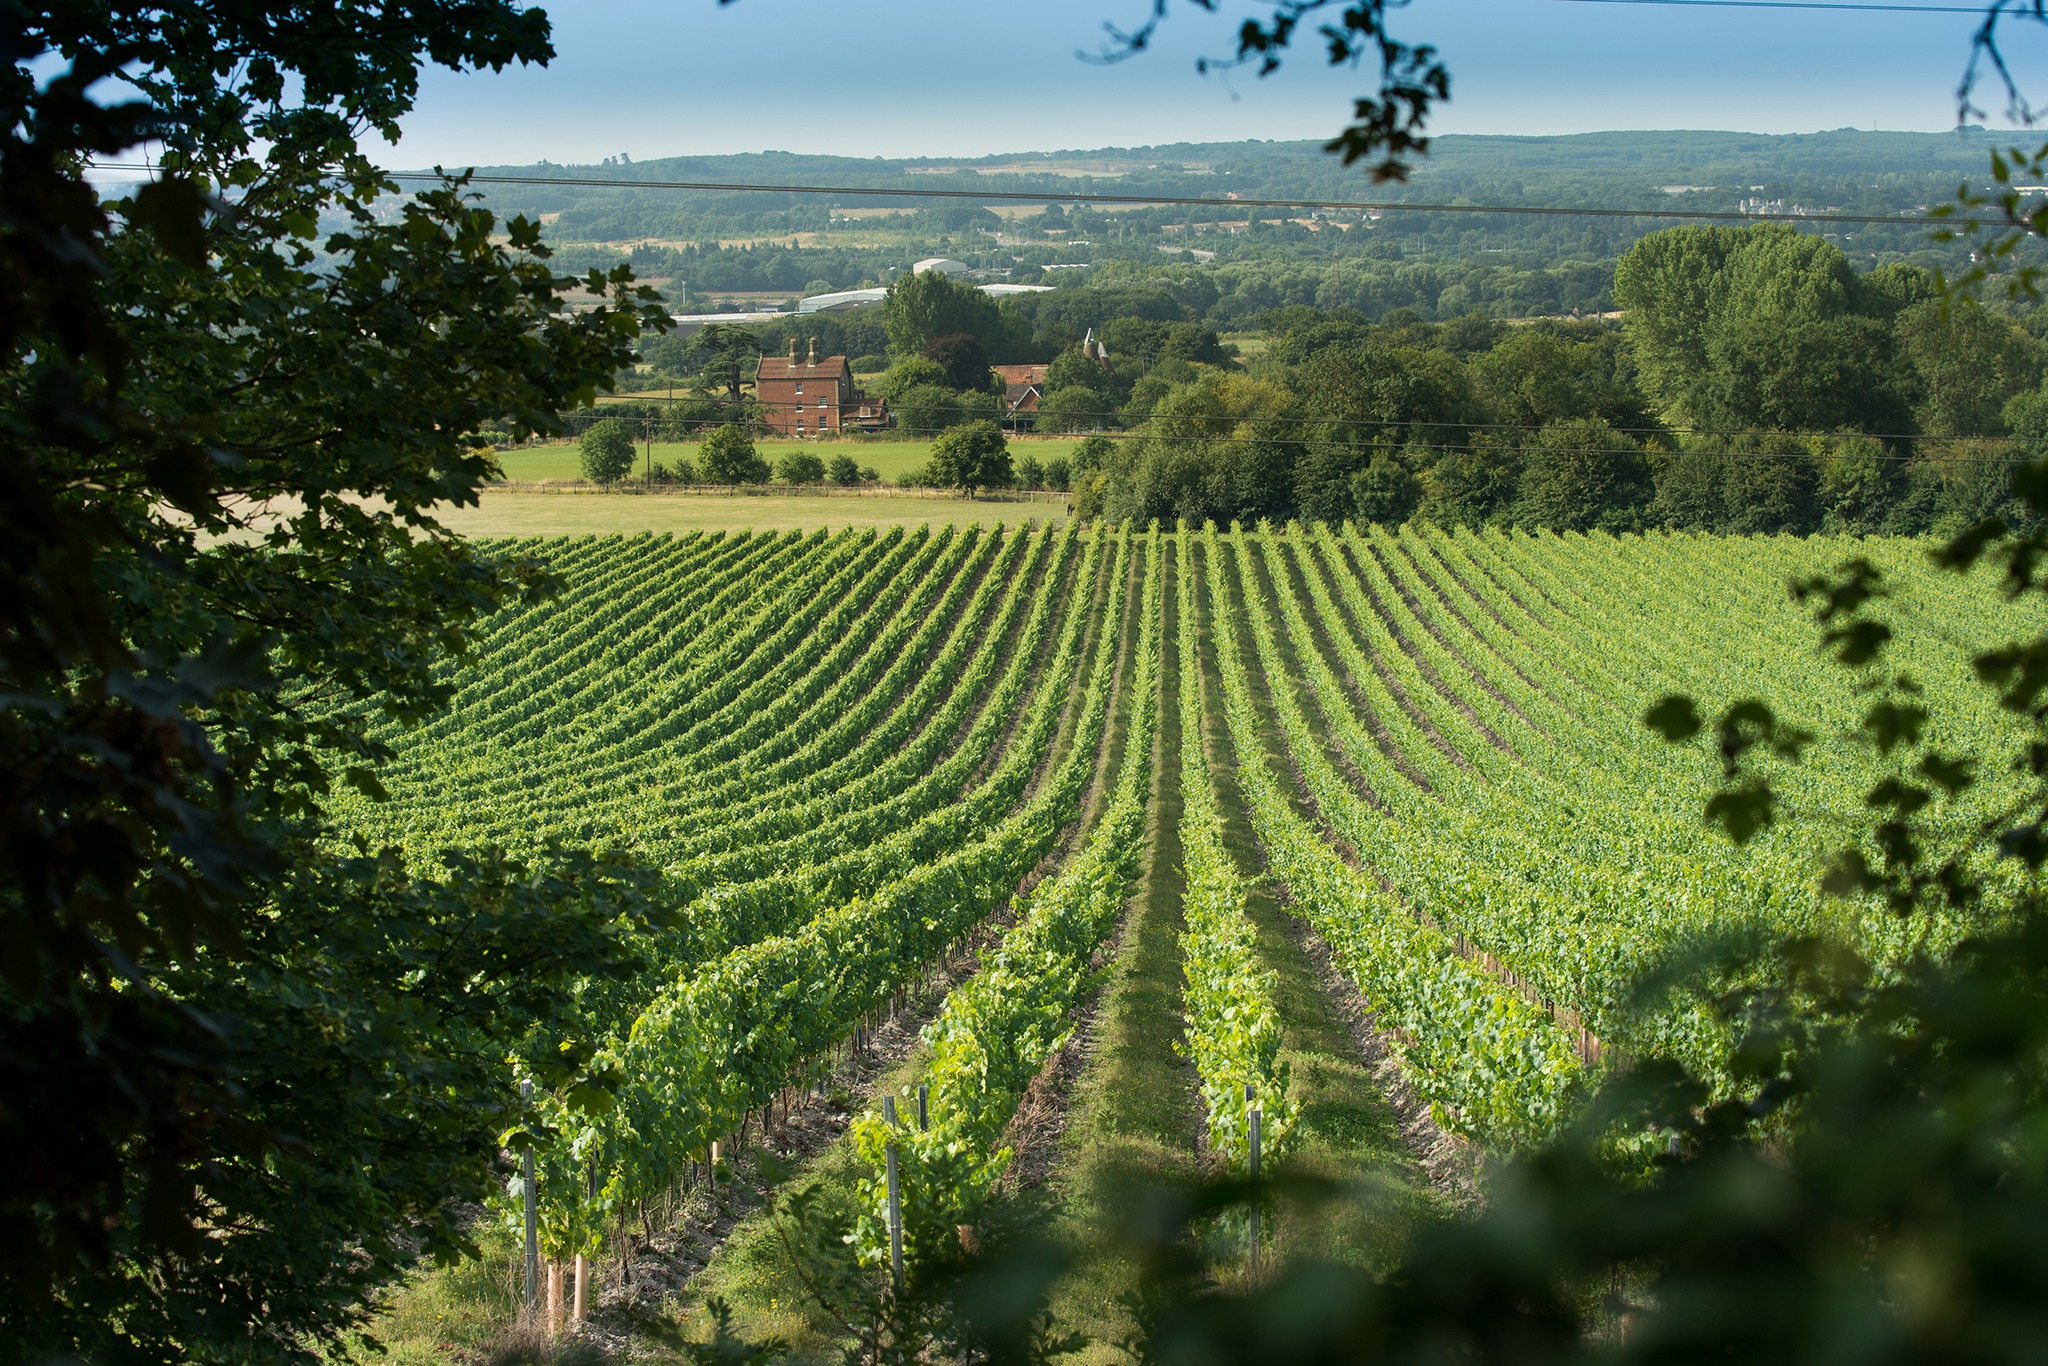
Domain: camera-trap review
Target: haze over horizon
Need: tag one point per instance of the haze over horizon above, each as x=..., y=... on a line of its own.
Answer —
x=927, y=78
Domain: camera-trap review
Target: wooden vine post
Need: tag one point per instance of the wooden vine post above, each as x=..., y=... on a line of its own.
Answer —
x=895, y=1201
x=1252, y=1118
x=526, y=1181
x=580, y=1309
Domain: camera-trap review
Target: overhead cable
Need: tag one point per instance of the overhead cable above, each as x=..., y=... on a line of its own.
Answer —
x=1113, y=415
x=1145, y=200
x=647, y=424
x=1975, y=12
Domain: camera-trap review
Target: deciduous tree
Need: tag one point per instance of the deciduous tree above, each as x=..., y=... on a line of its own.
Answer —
x=1071, y=369
x=1471, y=488
x=607, y=451
x=1075, y=410
x=1770, y=485
x=727, y=354
x=1386, y=490
x=1535, y=375
x=1757, y=328
x=924, y=409
x=1969, y=363
x=1582, y=475
x=960, y=357
x=909, y=373
x=970, y=457
x=1859, y=482
x=919, y=309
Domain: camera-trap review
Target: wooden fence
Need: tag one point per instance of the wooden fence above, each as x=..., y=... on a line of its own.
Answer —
x=634, y=488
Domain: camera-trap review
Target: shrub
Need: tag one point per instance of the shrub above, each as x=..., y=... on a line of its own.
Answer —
x=843, y=470
x=729, y=457
x=801, y=467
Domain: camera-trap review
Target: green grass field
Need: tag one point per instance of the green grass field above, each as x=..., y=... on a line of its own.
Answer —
x=575, y=514
x=541, y=464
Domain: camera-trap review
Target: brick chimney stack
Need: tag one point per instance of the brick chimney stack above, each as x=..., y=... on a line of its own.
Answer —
x=814, y=352
x=792, y=350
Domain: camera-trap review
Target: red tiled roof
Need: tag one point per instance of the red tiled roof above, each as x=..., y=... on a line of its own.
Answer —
x=1014, y=375
x=781, y=367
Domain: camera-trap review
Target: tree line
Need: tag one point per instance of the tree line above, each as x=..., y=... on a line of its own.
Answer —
x=1757, y=383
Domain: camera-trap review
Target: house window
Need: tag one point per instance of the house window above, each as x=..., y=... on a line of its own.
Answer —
x=799, y=388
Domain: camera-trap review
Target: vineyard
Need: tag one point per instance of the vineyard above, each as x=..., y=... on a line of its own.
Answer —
x=860, y=763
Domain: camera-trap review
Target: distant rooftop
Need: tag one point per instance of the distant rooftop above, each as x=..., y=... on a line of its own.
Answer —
x=690, y=322
x=854, y=298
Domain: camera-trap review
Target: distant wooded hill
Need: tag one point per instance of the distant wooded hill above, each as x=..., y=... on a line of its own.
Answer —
x=1846, y=168
x=731, y=249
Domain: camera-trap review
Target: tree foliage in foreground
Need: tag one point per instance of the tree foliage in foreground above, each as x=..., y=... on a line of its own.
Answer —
x=246, y=1072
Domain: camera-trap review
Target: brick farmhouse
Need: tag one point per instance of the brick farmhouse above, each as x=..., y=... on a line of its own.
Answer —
x=811, y=395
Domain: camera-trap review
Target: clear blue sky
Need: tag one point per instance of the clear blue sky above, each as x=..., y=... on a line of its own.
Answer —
x=966, y=77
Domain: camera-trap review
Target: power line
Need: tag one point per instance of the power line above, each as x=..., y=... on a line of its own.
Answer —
x=1441, y=425
x=1462, y=447
x=1333, y=205
x=648, y=424
x=1162, y=201
x=936, y=193
x=1113, y=415
x=1971, y=10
